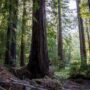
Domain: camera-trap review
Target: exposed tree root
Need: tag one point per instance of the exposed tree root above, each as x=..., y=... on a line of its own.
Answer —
x=50, y=84
x=21, y=73
x=10, y=82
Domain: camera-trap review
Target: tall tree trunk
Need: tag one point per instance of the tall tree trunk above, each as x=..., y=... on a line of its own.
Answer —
x=60, y=42
x=38, y=62
x=81, y=37
x=89, y=4
x=88, y=35
x=22, y=53
x=10, y=54
x=89, y=29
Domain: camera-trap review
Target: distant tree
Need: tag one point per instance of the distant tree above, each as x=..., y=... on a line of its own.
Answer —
x=81, y=37
x=88, y=33
x=67, y=49
x=38, y=62
x=60, y=42
x=89, y=4
x=22, y=53
x=10, y=54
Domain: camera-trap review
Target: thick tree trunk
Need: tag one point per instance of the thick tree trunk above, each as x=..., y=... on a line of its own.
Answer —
x=10, y=54
x=81, y=37
x=22, y=53
x=60, y=40
x=38, y=62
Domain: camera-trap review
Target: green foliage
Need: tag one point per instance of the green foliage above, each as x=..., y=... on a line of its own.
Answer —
x=84, y=10
x=74, y=69
x=52, y=47
x=36, y=5
x=76, y=72
x=63, y=74
x=3, y=27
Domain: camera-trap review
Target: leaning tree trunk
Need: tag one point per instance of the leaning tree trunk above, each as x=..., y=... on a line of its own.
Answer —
x=22, y=53
x=10, y=54
x=38, y=62
x=60, y=42
x=81, y=37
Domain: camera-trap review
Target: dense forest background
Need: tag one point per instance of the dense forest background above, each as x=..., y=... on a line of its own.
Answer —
x=41, y=38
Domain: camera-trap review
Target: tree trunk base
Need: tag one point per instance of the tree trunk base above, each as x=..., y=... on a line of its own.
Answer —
x=21, y=73
x=9, y=82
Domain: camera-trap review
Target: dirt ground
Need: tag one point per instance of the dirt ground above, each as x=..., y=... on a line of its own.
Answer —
x=72, y=85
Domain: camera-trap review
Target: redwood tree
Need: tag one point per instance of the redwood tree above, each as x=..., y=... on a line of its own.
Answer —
x=22, y=53
x=81, y=37
x=60, y=42
x=89, y=4
x=10, y=54
x=38, y=62
x=88, y=33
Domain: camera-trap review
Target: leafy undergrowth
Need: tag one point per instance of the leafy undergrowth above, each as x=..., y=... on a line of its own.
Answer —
x=79, y=73
x=69, y=83
x=63, y=73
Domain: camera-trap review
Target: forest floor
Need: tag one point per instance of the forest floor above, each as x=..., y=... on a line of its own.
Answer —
x=72, y=85
x=9, y=82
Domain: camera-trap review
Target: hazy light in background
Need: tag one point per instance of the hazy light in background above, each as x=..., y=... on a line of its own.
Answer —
x=72, y=4
x=73, y=8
